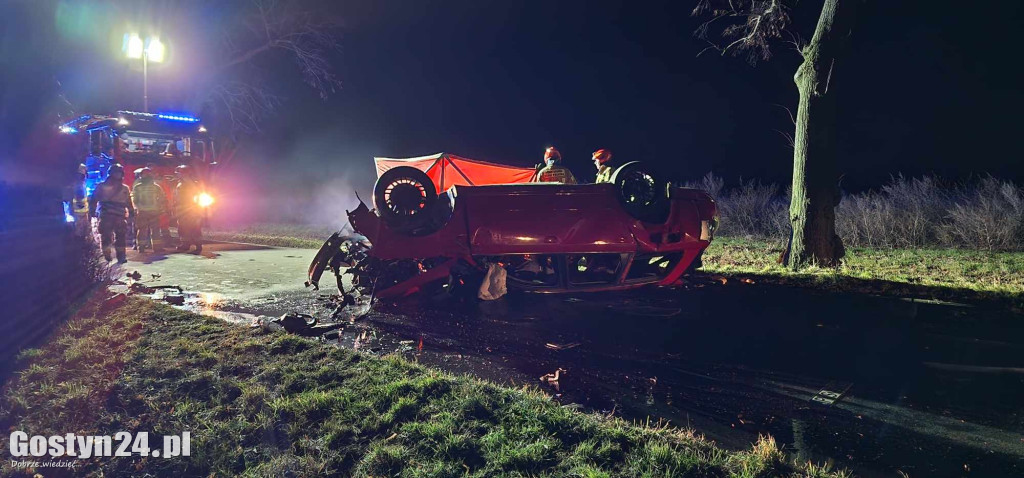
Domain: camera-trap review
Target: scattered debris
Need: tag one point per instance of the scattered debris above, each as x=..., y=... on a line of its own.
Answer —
x=174, y=299
x=574, y=299
x=175, y=287
x=562, y=346
x=155, y=276
x=493, y=286
x=553, y=377
x=304, y=324
x=134, y=275
x=140, y=288
x=829, y=395
x=746, y=280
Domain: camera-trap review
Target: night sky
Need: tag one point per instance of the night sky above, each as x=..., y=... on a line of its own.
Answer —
x=932, y=86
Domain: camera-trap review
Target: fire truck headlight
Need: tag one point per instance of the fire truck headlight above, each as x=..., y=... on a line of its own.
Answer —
x=204, y=200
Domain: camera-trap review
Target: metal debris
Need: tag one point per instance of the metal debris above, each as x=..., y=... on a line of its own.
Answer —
x=553, y=377
x=174, y=299
x=831, y=393
x=562, y=346
x=303, y=324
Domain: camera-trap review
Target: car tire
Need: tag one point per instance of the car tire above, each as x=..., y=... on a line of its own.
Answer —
x=641, y=194
x=404, y=196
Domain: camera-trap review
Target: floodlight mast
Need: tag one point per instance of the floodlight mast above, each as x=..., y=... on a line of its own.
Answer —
x=151, y=50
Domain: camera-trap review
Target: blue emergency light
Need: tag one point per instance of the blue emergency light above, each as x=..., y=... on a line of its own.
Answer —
x=178, y=117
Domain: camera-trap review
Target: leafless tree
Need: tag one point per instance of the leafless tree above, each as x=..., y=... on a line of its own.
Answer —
x=751, y=27
x=272, y=27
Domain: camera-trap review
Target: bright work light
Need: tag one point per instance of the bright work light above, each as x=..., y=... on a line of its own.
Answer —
x=133, y=46
x=155, y=50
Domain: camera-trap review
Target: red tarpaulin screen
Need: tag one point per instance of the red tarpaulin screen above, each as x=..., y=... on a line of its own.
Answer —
x=447, y=170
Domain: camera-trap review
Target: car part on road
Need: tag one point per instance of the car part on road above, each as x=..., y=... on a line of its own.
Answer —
x=561, y=346
x=831, y=393
x=304, y=324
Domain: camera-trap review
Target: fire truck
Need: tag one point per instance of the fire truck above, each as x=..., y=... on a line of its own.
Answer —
x=159, y=141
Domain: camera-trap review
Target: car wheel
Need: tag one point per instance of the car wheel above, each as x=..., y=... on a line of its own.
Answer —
x=641, y=194
x=403, y=197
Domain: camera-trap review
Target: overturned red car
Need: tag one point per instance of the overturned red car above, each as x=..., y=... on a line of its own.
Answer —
x=442, y=220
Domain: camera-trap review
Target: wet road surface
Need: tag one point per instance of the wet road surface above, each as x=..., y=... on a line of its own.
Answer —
x=923, y=388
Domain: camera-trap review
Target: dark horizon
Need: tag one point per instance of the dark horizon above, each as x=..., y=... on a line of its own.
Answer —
x=926, y=90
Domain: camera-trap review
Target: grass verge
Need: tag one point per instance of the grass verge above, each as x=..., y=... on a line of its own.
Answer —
x=948, y=274
x=262, y=404
x=279, y=235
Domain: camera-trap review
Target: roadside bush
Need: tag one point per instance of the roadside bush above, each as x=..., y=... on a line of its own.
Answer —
x=988, y=215
x=904, y=213
x=752, y=209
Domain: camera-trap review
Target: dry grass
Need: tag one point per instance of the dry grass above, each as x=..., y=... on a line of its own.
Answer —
x=943, y=273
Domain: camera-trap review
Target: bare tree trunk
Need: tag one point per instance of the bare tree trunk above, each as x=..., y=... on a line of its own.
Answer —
x=815, y=180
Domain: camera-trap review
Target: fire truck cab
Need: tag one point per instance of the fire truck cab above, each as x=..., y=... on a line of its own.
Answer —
x=160, y=141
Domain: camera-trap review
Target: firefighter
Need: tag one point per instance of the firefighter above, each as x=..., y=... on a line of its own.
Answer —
x=112, y=203
x=601, y=159
x=551, y=171
x=187, y=211
x=150, y=202
x=80, y=204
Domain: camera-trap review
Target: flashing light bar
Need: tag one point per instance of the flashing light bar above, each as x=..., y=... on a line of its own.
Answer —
x=182, y=118
x=70, y=126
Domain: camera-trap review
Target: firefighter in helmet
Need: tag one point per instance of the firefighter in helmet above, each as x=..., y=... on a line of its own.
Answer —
x=150, y=202
x=187, y=210
x=602, y=158
x=551, y=171
x=112, y=203
x=80, y=203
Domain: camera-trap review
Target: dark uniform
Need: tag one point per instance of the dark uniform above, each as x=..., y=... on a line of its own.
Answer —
x=112, y=203
x=188, y=214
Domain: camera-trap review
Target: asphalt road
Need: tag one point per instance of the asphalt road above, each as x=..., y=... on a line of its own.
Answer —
x=923, y=388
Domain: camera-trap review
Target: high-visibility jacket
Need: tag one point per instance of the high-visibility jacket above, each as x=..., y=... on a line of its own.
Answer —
x=604, y=175
x=149, y=197
x=79, y=200
x=111, y=198
x=555, y=174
